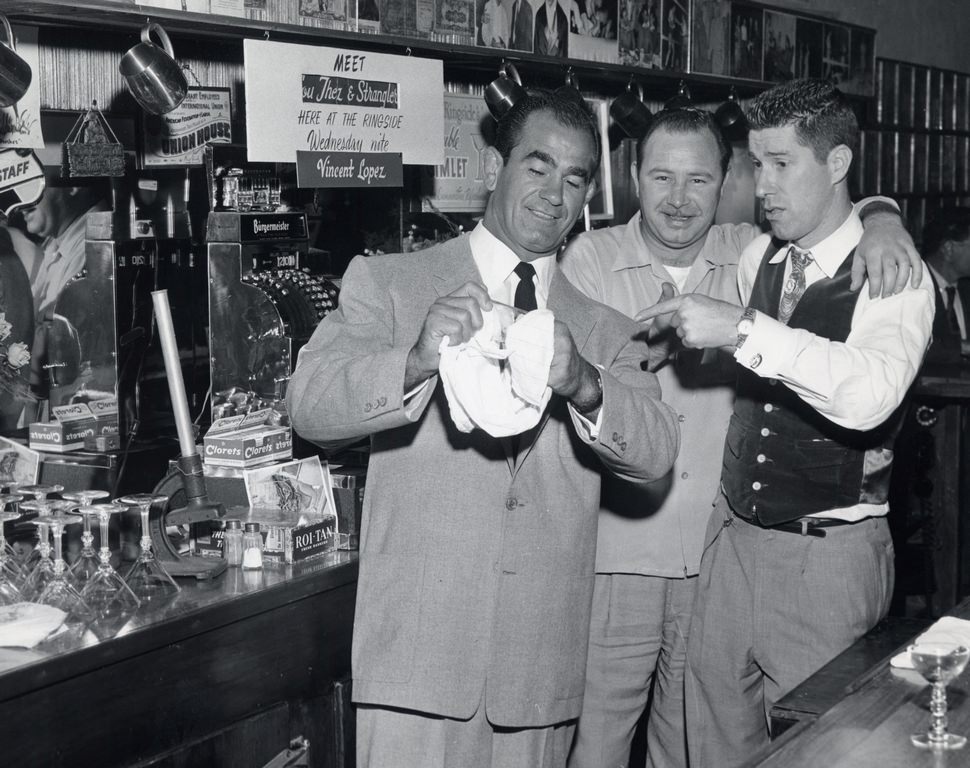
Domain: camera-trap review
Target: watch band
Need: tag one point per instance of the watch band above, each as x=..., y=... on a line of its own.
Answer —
x=744, y=326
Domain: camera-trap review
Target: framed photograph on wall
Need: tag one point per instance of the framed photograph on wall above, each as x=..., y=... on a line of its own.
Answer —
x=862, y=63
x=779, y=46
x=808, y=48
x=710, y=36
x=835, y=53
x=676, y=34
x=747, y=44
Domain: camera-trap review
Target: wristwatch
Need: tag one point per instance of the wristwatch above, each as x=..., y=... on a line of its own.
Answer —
x=745, y=324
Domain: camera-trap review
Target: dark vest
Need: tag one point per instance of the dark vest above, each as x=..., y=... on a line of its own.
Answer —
x=782, y=459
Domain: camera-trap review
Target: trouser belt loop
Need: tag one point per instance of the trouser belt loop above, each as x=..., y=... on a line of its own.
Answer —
x=804, y=523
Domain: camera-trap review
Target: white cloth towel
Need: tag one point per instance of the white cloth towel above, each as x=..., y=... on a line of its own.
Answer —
x=948, y=629
x=498, y=380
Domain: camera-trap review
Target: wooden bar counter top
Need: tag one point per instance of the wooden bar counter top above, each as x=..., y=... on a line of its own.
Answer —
x=226, y=674
x=870, y=727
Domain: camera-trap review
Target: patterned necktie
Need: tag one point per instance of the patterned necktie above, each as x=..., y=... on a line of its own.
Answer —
x=795, y=284
x=951, y=309
x=525, y=292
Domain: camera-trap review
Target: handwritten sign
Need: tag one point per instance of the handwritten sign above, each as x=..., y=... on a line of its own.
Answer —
x=302, y=98
x=458, y=182
x=179, y=137
x=349, y=169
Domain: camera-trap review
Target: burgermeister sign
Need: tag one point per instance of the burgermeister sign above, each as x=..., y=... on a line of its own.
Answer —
x=312, y=99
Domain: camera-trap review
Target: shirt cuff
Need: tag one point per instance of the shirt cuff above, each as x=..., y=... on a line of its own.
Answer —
x=588, y=430
x=415, y=400
x=765, y=345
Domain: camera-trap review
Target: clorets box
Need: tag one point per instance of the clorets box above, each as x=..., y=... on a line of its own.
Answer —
x=248, y=447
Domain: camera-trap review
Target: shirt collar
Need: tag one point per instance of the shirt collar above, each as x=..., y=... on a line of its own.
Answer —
x=496, y=262
x=634, y=251
x=833, y=250
x=941, y=281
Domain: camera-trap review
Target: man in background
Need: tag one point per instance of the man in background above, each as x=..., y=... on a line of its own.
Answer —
x=58, y=220
x=946, y=248
x=651, y=535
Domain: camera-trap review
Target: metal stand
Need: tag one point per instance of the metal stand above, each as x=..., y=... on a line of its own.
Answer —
x=186, y=485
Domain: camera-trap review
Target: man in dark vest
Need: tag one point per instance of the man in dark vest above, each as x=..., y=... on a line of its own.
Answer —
x=798, y=562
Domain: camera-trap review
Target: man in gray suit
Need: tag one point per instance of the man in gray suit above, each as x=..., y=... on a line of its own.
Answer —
x=476, y=561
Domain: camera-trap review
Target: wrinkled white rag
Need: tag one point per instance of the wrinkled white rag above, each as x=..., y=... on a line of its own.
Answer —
x=501, y=399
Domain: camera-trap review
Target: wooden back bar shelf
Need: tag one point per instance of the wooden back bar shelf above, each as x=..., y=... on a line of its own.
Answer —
x=226, y=675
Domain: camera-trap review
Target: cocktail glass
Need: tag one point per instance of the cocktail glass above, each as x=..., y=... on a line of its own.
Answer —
x=147, y=576
x=109, y=597
x=59, y=592
x=938, y=663
x=88, y=561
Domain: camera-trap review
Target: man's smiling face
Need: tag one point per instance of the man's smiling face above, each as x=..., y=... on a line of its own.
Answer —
x=679, y=185
x=541, y=190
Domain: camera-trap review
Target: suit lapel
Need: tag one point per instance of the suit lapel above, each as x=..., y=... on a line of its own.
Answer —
x=454, y=267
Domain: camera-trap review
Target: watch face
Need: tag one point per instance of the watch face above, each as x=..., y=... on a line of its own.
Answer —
x=745, y=326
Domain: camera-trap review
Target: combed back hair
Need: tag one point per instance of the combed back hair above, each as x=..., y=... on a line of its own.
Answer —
x=945, y=225
x=687, y=120
x=566, y=105
x=820, y=113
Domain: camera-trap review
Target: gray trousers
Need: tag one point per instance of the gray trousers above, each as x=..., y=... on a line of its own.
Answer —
x=638, y=637
x=396, y=738
x=772, y=608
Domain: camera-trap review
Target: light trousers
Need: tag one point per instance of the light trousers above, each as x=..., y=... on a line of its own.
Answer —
x=638, y=638
x=397, y=738
x=772, y=608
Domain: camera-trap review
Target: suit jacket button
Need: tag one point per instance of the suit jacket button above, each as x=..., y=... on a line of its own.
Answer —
x=511, y=504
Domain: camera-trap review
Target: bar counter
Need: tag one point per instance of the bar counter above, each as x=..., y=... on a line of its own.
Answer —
x=225, y=674
x=871, y=725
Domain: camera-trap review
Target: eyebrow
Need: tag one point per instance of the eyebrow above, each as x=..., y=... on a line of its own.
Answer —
x=695, y=172
x=548, y=159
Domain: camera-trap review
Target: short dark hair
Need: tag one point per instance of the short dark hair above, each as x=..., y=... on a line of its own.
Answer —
x=688, y=120
x=566, y=104
x=820, y=113
x=945, y=225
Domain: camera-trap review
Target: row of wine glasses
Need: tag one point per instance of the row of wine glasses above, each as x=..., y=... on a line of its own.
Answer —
x=90, y=591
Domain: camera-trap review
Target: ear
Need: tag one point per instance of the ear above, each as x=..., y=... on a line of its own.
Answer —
x=635, y=175
x=839, y=162
x=493, y=167
x=591, y=189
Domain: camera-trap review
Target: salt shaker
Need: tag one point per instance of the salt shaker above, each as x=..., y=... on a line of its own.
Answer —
x=252, y=558
x=232, y=542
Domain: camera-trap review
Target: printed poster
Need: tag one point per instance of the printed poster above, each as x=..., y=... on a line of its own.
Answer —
x=20, y=123
x=318, y=99
x=180, y=137
x=458, y=183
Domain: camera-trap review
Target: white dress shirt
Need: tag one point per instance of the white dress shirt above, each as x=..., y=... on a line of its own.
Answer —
x=857, y=383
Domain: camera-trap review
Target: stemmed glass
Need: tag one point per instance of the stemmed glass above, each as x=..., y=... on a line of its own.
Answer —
x=5, y=500
x=10, y=565
x=87, y=562
x=38, y=565
x=938, y=663
x=9, y=570
x=59, y=591
x=39, y=491
x=109, y=597
x=147, y=576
